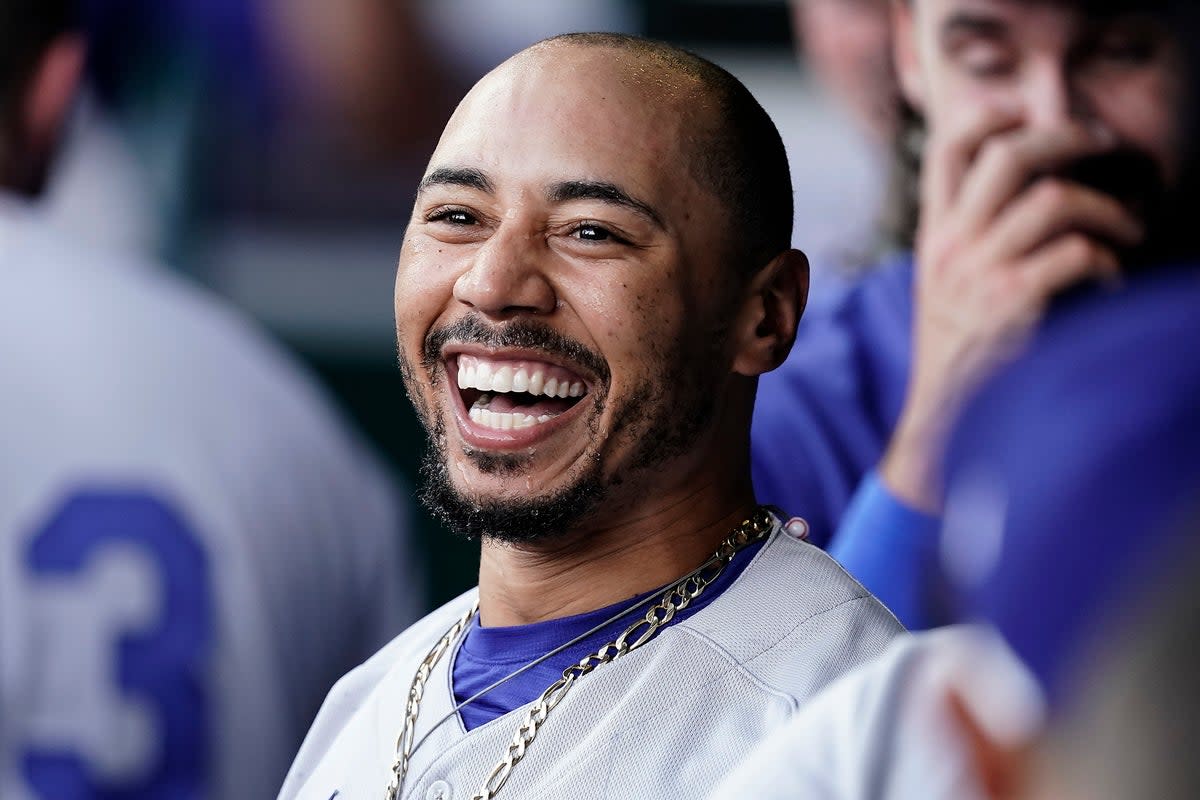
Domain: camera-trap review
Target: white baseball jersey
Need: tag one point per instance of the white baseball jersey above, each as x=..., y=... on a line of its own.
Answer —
x=192, y=549
x=884, y=731
x=666, y=720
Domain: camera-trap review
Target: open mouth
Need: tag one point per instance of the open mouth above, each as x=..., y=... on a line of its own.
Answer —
x=503, y=394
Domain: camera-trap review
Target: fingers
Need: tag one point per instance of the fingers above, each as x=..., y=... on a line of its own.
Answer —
x=1006, y=164
x=1050, y=209
x=1064, y=262
x=948, y=156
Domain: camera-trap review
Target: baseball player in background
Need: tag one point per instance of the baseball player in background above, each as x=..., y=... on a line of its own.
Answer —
x=192, y=547
x=596, y=271
x=1059, y=148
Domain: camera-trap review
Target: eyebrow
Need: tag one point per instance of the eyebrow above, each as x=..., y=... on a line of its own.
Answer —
x=565, y=191
x=457, y=176
x=970, y=23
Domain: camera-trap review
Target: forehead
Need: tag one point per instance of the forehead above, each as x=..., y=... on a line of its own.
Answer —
x=571, y=112
x=1034, y=15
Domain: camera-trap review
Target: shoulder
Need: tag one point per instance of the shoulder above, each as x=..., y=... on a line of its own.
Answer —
x=1118, y=332
x=882, y=731
x=1126, y=453
x=395, y=661
x=1133, y=427
x=417, y=638
x=101, y=321
x=795, y=620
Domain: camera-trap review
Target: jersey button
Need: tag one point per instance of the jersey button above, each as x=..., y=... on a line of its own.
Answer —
x=439, y=790
x=797, y=528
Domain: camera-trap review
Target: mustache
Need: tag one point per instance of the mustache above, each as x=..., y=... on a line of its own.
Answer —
x=1127, y=174
x=1132, y=178
x=519, y=333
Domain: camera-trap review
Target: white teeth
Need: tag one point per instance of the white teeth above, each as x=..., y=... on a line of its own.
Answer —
x=483, y=376
x=488, y=377
x=502, y=380
x=505, y=421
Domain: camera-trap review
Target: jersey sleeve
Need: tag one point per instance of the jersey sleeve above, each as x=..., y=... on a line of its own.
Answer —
x=892, y=550
x=883, y=732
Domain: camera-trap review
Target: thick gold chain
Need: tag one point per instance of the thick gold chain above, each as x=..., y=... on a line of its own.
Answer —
x=678, y=597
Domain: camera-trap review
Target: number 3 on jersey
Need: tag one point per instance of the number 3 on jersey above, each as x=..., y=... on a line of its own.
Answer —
x=92, y=560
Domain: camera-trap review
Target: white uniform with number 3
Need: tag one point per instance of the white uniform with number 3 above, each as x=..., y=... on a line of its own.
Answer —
x=191, y=547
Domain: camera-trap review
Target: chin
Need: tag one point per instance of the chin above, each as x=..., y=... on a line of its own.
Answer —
x=506, y=511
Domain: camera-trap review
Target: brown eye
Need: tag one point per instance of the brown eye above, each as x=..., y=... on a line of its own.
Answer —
x=453, y=216
x=592, y=232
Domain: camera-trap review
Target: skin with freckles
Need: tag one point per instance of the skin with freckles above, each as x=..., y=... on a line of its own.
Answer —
x=1054, y=137
x=561, y=221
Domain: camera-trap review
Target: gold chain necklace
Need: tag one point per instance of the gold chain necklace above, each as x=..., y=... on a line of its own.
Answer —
x=676, y=598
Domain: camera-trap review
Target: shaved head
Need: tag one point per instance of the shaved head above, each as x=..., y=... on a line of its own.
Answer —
x=736, y=151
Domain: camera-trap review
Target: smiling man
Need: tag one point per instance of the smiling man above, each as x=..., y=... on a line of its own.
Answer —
x=595, y=273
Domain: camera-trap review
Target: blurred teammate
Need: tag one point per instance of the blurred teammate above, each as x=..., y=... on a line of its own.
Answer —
x=1053, y=149
x=1069, y=479
x=838, y=142
x=595, y=274
x=192, y=548
x=847, y=43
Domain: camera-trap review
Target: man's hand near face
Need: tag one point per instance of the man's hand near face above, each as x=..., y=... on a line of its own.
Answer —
x=999, y=237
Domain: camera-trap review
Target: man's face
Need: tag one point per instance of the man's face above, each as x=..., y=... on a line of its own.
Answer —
x=1052, y=63
x=562, y=295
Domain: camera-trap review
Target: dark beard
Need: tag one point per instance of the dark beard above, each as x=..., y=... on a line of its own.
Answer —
x=522, y=521
x=666, y=415
x=1132, y=178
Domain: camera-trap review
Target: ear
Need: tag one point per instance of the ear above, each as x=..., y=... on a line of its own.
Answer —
x=906, y=55
x=766, y=324
x=51, y=91
x=1002, y=771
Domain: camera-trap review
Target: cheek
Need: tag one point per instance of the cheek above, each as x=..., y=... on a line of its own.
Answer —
x=631, y=321
x=1145, y=113
x=955, y=99
x=423, y=288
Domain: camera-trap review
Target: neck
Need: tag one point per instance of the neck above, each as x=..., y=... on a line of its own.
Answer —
x=604, y=561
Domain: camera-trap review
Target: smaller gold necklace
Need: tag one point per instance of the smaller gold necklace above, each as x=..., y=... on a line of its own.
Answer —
x=674, y=599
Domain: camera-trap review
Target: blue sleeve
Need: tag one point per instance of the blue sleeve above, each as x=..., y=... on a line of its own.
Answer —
x=822, y=419
x=892, y=550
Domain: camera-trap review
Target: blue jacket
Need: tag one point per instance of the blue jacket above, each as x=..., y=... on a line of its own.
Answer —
x=821, y=420
x=1073, y=480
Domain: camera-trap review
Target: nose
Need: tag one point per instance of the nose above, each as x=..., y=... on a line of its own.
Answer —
x=507, y=277
x=1053, y=100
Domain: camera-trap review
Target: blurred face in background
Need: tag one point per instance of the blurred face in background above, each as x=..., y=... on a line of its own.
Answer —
x=1053, y=64
x=848, y=44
